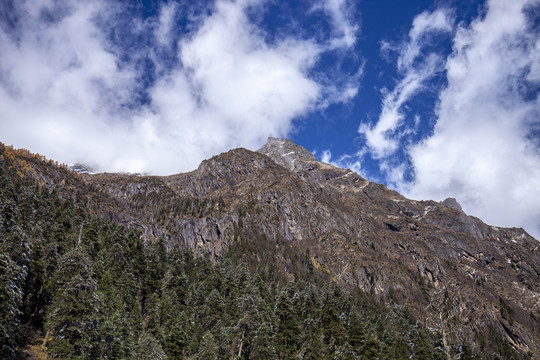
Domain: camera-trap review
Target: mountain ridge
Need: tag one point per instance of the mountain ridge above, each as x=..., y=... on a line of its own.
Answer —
x=454, y=272
x=353, y=227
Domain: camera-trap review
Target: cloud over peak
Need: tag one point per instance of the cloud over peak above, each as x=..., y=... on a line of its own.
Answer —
x=73, y=86
x=123, y=86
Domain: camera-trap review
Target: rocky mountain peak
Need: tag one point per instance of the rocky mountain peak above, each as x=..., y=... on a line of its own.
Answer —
x=452, y=203
x=287, y=154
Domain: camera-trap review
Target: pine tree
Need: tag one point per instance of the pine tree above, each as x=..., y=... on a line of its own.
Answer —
x=209, y=349
x=114, y=324
x=148, y=348
x=334, y=315
x=72, y=316
x=12, y=277
x=288, y=321
x=262, y=345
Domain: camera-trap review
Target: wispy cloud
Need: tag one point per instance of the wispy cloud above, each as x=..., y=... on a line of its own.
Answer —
x=340, y=86
x=347, y=161
x=165, y=24
x=344, y=28
x=416, y=67
x=77, y=86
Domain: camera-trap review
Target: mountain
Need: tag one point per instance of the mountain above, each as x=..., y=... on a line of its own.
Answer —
x=280, y=209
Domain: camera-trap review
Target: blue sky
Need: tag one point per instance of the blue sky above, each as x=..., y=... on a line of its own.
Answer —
x=433, y=98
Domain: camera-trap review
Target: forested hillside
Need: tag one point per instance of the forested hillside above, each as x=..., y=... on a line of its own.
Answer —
x=75, y=285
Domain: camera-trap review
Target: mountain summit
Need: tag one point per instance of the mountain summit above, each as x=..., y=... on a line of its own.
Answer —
x=279, y=208
x=287, y=154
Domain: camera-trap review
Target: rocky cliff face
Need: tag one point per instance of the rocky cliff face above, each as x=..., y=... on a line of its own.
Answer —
x=456, y=273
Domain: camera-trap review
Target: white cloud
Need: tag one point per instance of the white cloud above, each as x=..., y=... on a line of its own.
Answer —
x=482, y=152
x=57, y=81
x=233, y=89
x=346, y=30
x=352, y=162
x=416, y=68
x=326, y=156
x=67, y=92
x=165, y=24
x=424, y=25
x=339, y=86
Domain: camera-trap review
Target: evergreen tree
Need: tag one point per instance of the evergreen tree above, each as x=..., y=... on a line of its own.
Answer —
x=114, y=325
x=12, y=277
x=262, y=345
x=72, y=314
x=209, y=349
x=148, y=348
x=288, y=321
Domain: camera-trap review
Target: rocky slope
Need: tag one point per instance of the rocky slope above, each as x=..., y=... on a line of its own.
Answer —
x=455, y=273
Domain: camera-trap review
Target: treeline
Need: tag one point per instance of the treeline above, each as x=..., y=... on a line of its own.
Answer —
x=89, y=289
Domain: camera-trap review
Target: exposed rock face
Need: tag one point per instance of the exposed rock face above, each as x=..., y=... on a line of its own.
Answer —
x=452, y=203
x=456, y=273
x=287, y=154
